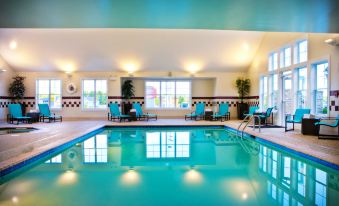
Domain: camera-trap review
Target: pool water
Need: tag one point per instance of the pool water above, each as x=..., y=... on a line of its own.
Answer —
x=171, y=166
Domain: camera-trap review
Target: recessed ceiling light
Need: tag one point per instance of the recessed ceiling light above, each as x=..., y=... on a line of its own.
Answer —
x=246, y=46
x=13, y=45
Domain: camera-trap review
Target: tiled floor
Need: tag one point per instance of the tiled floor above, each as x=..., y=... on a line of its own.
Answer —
x=15, y=148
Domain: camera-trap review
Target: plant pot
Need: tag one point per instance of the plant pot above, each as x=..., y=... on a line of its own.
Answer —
x=126, y=107
x=242, y=108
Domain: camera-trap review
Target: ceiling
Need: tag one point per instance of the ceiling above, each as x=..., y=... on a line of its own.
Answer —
x=128, y=49
x=255, y=15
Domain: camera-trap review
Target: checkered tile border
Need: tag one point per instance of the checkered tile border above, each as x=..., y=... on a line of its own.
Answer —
x=71, y=103
x=333, y=106
x=129, y=102
x=4, y=104
x=230, y=103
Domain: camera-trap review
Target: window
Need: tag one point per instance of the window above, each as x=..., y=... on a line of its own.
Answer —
x=168, y=94
x=94, y=94
x=273, y=61
x=287, y=92
x=285, y=57
x=48, y=91
x=320, y=95
x=302, y=87
x=274, y=90
x=57, y=159
x=301, y=175
x=320, y=187
x=286, y=180
x=264, y=92
x=300, y=52
x=167, y=145
x=95, y=149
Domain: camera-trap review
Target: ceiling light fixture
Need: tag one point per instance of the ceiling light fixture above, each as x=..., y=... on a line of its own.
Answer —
x=13, y=45
x=332, y=42
x=3, y=70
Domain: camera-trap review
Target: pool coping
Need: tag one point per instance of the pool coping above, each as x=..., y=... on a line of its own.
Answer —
x=29, y=160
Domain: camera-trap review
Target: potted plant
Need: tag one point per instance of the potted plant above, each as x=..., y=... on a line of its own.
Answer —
x=243, y=87
x=127, y=92
x=17, y=89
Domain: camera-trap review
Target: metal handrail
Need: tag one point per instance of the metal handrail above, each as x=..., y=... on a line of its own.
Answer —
x=247, y=120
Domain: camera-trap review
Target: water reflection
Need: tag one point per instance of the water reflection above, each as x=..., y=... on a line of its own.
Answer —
x=167, y=144
x=229, y=169
x=291, y=181
x=95, y=149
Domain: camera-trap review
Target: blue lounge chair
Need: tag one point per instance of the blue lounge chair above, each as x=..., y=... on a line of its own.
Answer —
x=45, y=113
x=251, y=111
x=115, y=113
x=325, y=123
x=15, y=113
x=199, y=112
x=223, y=112
x=265, y=115
x=296, y=118
x=141, y=115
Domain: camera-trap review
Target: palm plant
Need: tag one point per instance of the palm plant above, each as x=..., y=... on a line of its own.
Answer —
x=17, y=88
x=127, y=89
x=243, y=86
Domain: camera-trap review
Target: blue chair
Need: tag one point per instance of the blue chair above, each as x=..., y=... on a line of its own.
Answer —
x=15, y=113
x=251, y=111
x=223, y=112
x=325, y=123
x=45, y=113
x=115, y=113
x=264, y=116
x=296, y=118
x=141, y=115
x=199, y=112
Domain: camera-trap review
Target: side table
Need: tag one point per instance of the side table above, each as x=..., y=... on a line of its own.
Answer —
x=308, y=126
x=35, y=116
x=208, y=115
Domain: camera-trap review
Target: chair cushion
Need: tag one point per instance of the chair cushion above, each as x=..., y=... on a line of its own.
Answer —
x=326, y=124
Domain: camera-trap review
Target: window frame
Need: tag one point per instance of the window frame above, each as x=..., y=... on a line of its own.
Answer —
x=175, y=94
x=297, y=86
x=282, y=56
x=262, y=93
x=313, y=80
x=82, y=94
x=49, y=95
x=296, y=50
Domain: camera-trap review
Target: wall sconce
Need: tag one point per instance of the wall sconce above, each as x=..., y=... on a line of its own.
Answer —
x=69, y=74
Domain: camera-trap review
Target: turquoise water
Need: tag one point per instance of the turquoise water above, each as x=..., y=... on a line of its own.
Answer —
x=171, y=166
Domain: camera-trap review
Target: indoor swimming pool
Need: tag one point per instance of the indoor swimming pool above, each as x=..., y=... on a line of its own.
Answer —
x=170, y=166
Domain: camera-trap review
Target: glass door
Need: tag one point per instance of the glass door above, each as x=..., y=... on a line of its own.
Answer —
x=287, y=92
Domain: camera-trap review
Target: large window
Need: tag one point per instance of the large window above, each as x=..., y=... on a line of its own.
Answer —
x=264, y=92
x=167, y=145
x=273, y=61
x=287, y=92
x=94, y=94
x=274, y=90
x=168, y=94
x=300, y=52
x=302, y=87
x=320, y=96
x=95, y=149
x=48, y=91
x=285, y=57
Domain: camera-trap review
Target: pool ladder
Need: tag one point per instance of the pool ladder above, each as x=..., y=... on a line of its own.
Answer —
x=246, y=121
